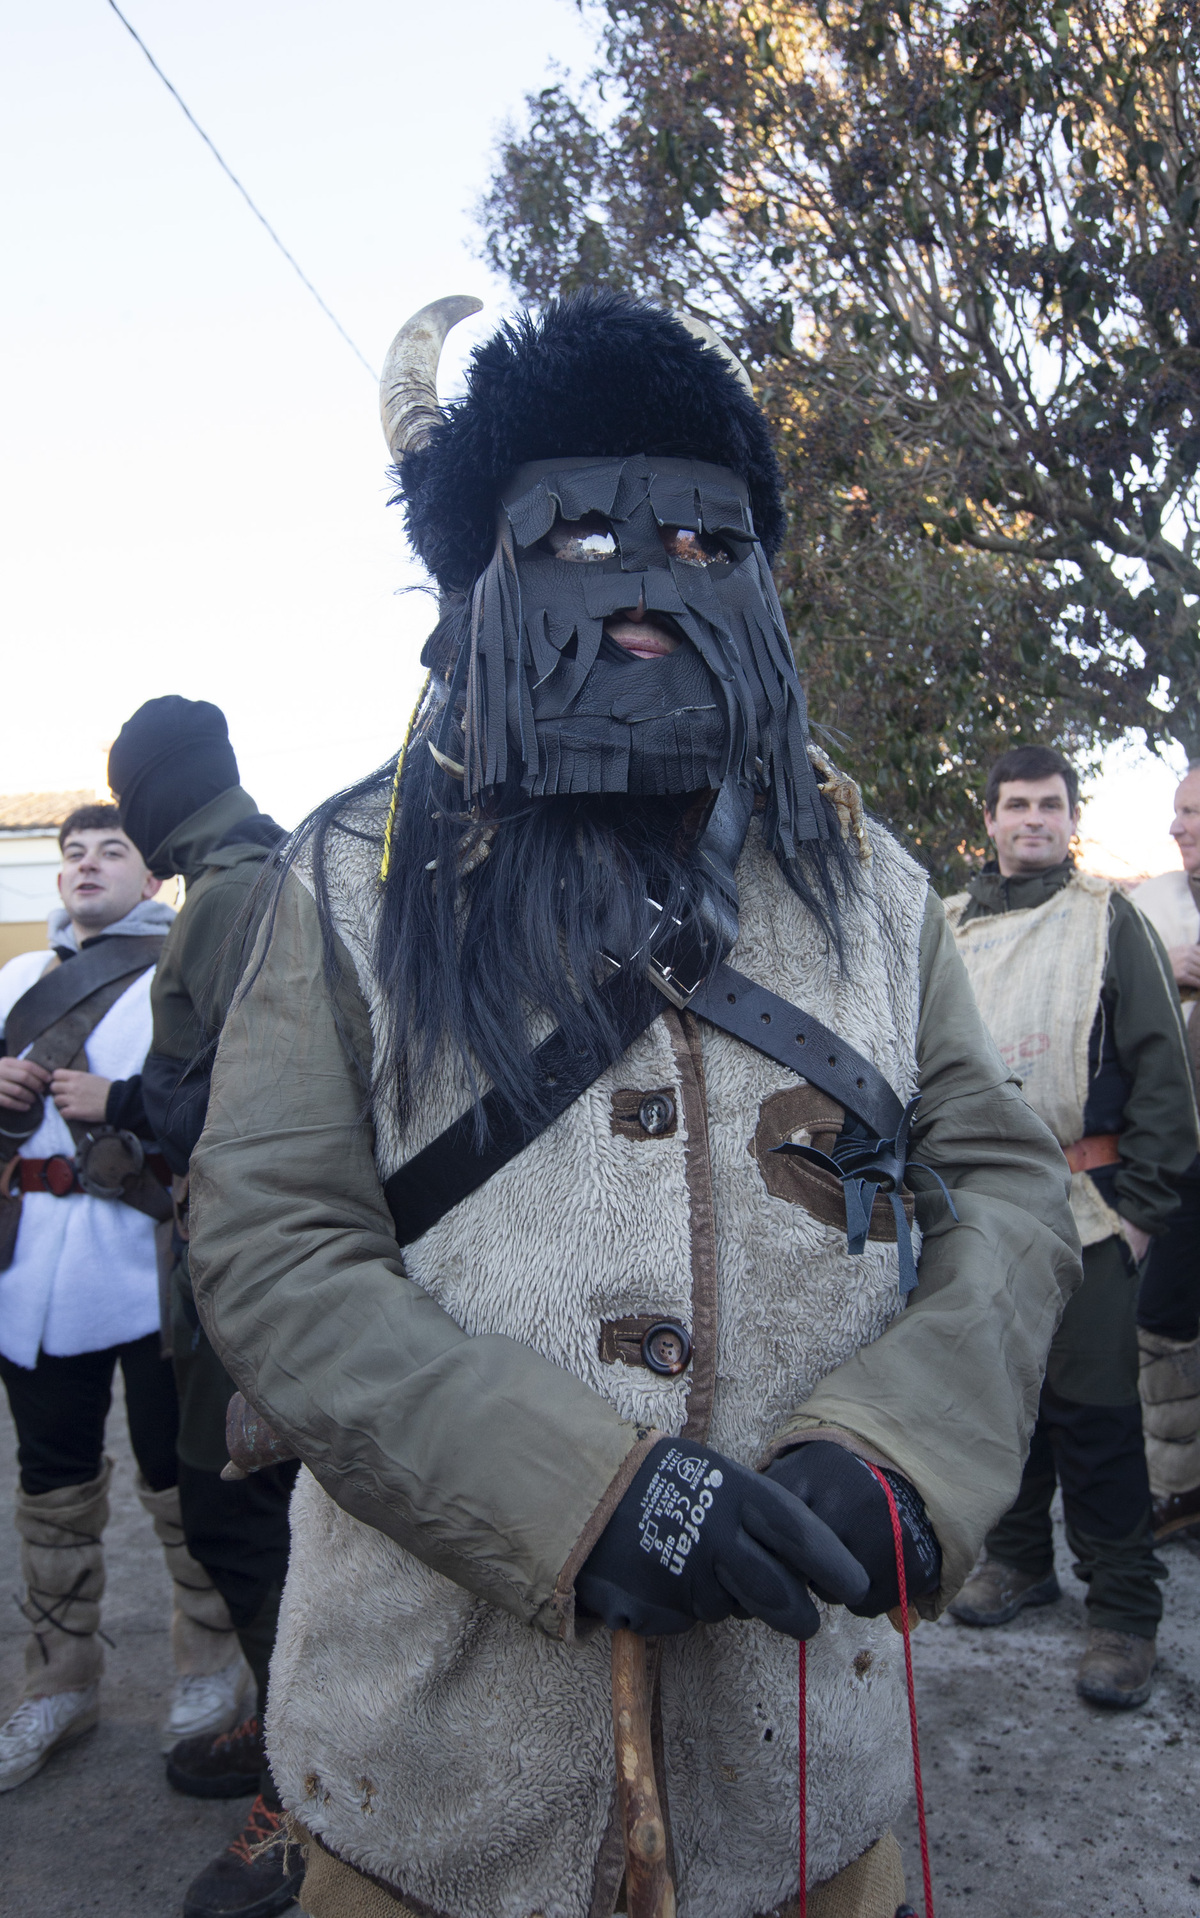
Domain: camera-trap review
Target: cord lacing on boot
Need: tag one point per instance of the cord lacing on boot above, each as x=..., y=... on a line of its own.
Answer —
x=32, y=1608
x=261, y=1831
x=248, y=1729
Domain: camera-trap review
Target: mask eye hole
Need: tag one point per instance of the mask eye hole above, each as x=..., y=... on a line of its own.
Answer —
x=694, y=549
x=587, y=539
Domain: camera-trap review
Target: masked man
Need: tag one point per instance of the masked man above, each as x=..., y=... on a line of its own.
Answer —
x=1076, y=992
x=522, y=1208
x=1169, y=1302
x=176, y=778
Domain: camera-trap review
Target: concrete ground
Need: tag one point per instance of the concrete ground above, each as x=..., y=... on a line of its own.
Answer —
x=1039, y=1806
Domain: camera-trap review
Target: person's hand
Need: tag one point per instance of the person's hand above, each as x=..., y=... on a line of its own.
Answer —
x=1137, y=1240
x=20, y=1083
x=697, y=1538
x=81, y=1096
x=841, y=1489
x=1185, y=964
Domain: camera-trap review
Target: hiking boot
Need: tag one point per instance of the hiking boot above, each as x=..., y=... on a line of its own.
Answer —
x=228, y=1765
x=1174, y=1512
x=1117, y=1669
x=996, y=1592
x=252, y=1877
x=41, y=1726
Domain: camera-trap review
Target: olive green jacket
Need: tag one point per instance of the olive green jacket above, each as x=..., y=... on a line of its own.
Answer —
x=482, y=1456
x=201, y=960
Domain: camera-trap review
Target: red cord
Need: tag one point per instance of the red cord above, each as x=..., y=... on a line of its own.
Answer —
x=898, y=1541
x=803, y=1780
x=912, y=1692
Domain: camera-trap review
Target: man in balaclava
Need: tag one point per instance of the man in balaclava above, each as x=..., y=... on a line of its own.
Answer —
x=552, y=1202
x=175, y=776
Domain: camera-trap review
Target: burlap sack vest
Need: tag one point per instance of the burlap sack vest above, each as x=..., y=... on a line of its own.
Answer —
x=1037, y=976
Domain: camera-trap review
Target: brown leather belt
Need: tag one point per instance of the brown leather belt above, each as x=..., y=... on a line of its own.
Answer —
x=57, y=1174
x=1099, y=1148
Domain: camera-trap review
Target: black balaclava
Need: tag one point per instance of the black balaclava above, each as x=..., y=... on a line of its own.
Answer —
x=169, y=760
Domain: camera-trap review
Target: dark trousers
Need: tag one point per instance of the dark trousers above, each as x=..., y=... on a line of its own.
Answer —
x=238, y=1530
x=239, y=1533
x=1169, y=1301
x=1088, y=1441
x=1095, y=1453
x=60, y=1409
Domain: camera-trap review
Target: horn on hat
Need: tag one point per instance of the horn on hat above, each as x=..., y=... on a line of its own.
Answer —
x=700, y=331
x=408, y=401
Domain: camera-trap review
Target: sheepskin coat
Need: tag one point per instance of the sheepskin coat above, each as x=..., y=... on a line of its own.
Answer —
x=438, y=1743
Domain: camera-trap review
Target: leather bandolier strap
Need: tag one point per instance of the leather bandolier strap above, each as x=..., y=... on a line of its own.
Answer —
x=454, y=1165
x=50, y=1025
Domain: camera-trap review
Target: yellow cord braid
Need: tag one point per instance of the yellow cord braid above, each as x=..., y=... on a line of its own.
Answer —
x=385, y=864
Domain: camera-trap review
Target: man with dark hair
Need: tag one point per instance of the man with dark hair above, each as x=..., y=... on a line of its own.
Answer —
x=1026, y=763
x=79, y=1295
x=575, y=1262
x=176, y=779
x=1077, y=993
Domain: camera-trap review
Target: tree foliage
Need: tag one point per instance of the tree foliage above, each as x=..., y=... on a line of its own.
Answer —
x=956, y=244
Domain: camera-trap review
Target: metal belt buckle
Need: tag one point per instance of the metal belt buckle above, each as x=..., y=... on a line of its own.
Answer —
x=106, y=1159
x=679, y=959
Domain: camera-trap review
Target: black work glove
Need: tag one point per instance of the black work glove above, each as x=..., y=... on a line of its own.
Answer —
x=841, y=1489
x=697, y=1538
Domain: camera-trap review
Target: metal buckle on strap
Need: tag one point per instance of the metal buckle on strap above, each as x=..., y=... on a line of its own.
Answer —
x=680, y=958
x=106, y=1159
x=678, y=955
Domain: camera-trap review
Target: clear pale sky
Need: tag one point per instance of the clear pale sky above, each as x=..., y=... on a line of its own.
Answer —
x=194, y=491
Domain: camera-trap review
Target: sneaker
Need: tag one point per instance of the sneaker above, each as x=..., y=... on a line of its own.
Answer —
x=1117, y=1669
x=208, y=1704
x=227, y=1766
x=42, y=1726
x=996, y=1592
x=253, y=1877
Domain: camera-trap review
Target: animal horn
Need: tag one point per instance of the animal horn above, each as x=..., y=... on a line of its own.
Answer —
x=700, y=331
x=408, y=401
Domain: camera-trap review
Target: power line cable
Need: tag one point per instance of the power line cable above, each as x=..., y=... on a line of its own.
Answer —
x=229, y=172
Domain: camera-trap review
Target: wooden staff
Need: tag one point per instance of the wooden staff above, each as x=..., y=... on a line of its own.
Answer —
x=648, y=1889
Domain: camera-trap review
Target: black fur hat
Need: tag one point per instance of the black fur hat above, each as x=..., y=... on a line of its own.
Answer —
x=599, y=375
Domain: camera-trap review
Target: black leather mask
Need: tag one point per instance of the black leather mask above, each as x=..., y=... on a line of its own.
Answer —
x=541, y=683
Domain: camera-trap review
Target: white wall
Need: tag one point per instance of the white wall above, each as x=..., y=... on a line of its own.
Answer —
x=29, y=864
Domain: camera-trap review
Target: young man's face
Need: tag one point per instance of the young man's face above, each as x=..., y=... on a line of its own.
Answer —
x=1185, y=827
x=103, y=877
x=1032, y=826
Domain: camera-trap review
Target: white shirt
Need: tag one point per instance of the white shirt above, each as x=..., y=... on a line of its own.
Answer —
x=84, y=1275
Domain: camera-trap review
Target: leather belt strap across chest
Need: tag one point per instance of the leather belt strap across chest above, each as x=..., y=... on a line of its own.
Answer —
x=794, y=1038
x=869, y=1159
